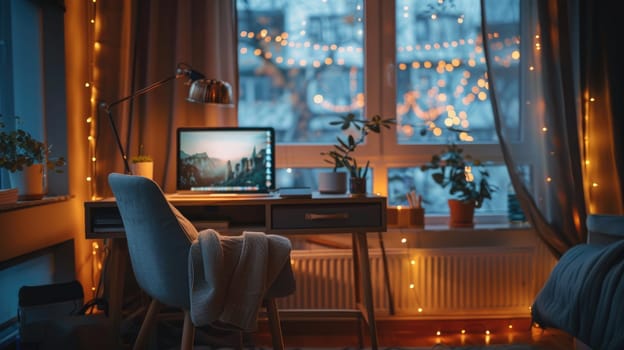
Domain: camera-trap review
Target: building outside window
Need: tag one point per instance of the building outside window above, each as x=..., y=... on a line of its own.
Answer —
x=304, y=63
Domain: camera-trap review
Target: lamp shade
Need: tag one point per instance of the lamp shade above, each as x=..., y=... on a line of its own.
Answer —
x=210, y=91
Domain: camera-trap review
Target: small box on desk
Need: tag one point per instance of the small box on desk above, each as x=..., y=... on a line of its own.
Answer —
x=405, y=217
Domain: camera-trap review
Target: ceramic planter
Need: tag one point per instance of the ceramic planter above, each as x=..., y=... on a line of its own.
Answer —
x=331, y=182
x=145, y=169
x=30, y=182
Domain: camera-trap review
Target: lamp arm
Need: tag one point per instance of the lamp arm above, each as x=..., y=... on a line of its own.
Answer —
x=182, y=70
x=107, y=108
x=140, y=91
x=117, y=139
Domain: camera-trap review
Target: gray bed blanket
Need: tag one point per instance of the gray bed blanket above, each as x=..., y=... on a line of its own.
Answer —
x=584, y=296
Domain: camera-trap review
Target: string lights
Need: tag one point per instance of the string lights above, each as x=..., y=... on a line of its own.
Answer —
x=96, y=267
x=438, y=102
x=92, y=47
x=97, y=253
x=489, y=331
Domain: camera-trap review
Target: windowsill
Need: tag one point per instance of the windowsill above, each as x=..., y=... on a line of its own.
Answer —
x=34, y=203
x=477, y=227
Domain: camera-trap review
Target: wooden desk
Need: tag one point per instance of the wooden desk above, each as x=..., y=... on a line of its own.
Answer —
x=321, y=214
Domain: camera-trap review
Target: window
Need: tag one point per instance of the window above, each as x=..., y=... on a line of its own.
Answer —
x=33, y=77
x=309, y=61
x=304, y=63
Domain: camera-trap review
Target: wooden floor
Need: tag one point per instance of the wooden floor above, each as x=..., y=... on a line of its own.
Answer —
x=397, y=332
x=394, y=333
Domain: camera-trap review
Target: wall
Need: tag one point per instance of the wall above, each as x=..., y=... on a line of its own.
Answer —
x=29, y=229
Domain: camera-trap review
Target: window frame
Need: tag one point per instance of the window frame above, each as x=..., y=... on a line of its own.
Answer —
x=44, y=116
x=383, y=150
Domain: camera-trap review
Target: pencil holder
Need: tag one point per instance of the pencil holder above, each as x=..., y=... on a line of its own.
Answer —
x=392, y=219
x=416, y=217
x=405, y=217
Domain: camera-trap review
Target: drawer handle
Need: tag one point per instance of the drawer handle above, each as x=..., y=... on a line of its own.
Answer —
x=313, y=216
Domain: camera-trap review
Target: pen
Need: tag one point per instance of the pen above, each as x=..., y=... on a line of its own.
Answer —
x=413, y=199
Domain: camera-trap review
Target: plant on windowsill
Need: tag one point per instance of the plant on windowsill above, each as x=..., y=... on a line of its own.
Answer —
x=341, y=156
x=453, y=169
x=25, y=156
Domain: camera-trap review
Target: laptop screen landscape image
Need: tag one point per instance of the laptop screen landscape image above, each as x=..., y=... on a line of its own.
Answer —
x=225, y=160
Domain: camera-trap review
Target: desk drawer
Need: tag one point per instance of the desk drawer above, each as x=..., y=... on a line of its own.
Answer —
x=357, y=216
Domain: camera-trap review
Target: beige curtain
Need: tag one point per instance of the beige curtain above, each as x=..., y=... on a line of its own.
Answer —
x=141, y=42
x=553, y=102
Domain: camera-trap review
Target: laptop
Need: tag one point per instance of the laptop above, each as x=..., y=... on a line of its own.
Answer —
x=225, y=161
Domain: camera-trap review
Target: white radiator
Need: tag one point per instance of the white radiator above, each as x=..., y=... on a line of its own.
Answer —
x=450, y=281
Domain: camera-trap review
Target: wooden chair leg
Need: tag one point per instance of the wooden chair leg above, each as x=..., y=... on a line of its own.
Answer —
x=274, y=324
x=147, y=325
x=188, y=332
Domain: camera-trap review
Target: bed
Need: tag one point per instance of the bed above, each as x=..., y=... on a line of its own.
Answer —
x=584, y=295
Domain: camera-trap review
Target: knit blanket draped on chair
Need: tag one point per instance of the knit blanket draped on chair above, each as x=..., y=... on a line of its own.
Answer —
x=230, y=275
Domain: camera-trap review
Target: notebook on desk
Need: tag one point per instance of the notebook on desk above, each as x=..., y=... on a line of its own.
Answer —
x=225, y=161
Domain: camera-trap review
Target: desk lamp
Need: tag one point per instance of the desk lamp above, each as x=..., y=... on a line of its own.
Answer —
x=201, y=90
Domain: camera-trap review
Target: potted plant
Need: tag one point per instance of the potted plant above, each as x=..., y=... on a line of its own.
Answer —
x=26, y=159
x=142, y=164
x=453, y=169
x=341, y=156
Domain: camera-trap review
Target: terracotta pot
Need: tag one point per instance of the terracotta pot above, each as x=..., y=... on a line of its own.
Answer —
x=330, y=182
x=461, y=213
x=357, y=186
x=30, y=182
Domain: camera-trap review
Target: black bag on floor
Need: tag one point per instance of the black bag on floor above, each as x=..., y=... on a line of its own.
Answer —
x=53, y=316
x=38, y=304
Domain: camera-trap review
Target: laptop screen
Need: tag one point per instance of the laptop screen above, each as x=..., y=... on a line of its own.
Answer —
x=225, y=160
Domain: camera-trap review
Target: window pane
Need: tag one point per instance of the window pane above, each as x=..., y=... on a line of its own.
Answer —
x=434, y=198
x=441, y=73
x=300, y=66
